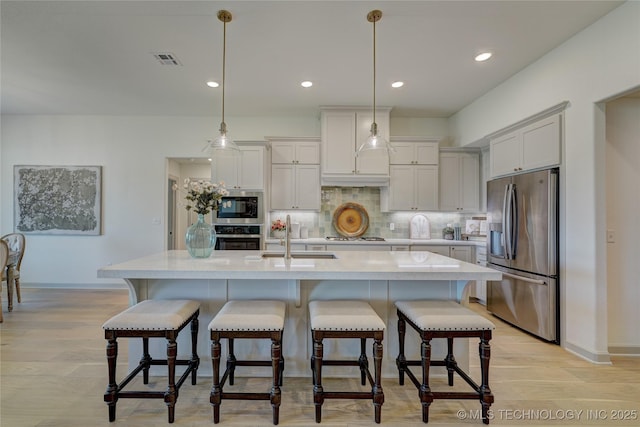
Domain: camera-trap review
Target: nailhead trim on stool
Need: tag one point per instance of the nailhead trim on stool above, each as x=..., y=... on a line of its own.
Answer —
x=247, y=319
x=444, y=319
x=346, y=319
x=152, y=319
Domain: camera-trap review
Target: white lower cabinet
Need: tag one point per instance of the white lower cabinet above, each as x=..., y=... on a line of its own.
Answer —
x=479, y=292
x=277, y=247
x=460, y=252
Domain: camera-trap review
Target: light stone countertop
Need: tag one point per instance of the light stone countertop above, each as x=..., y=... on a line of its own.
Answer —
x=387, y=241
x=349, y=265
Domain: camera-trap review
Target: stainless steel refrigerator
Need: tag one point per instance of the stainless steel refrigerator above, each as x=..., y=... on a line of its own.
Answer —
x=522, y=243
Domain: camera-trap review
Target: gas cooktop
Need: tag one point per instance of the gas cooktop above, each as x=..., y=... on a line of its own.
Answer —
x=345, y=239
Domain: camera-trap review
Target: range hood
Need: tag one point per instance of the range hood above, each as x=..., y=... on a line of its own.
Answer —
x=354, y=180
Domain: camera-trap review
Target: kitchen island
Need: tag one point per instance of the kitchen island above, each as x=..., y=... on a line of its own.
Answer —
x=379, y=278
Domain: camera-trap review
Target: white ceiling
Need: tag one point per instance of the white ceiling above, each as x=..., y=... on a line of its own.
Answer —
x=95, y=57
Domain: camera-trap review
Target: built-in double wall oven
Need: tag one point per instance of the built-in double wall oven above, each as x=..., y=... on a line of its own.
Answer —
x=239, y=221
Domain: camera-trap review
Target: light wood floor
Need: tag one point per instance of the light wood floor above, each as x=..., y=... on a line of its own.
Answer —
x=54, y=373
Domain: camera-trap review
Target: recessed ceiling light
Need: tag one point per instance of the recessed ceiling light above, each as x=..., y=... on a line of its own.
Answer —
x=397, y=84
x=306, y=83
x=483, y=56
x=213, y=84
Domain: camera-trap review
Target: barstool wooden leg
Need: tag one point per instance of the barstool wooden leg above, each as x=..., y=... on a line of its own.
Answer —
x=486, y=398
x=276, y=396
x=281, y=362
x=450, y=361
x=195, y=360
x=171, y=395
x=425, y=392
x=216, y=391
x=378, y=395
x=145, y=360
x=231, y=361
x=401, y=360
x=363, y=362
x=318, y=396
x=110, y=396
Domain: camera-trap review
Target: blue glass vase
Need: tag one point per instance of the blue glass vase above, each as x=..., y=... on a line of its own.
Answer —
x=200, y=238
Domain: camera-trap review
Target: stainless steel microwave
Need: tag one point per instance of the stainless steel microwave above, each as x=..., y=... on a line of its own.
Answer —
x=241, y=207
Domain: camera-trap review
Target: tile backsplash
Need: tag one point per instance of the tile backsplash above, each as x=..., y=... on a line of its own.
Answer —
x=320, y=223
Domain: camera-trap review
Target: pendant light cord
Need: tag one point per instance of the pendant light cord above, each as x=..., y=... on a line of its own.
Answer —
x=224, y=61
x=374, y=71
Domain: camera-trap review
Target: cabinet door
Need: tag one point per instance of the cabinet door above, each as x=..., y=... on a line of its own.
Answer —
x=436, y=249
x=374, y=162
x=541, y=144
x=469, y=183
x=426, y=187
x=225, y=169
x=338, y=142
x=427, y=153
x=307, y=184
x=308, y=153
x=462, y=253
x=401, y=188
x=251, y=170
x=505, y=154
x=404, y=155
x=449, y=181
x=283, y=152
x=282, y=187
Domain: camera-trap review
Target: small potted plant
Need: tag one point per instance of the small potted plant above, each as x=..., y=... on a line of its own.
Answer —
x=278, y=228
x=447, y=232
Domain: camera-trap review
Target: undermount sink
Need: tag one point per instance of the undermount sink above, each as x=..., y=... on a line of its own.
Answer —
x=304, y=255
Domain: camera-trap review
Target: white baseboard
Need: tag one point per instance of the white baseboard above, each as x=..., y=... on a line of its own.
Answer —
x=92, y=286
x=624, y=350
x=597, y=358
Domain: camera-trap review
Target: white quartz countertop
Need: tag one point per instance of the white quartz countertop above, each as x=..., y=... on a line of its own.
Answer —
x=387, y=241
x=348, y=265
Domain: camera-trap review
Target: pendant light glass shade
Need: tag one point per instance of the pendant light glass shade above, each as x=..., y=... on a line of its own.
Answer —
x=375, y=141
x=223, y=144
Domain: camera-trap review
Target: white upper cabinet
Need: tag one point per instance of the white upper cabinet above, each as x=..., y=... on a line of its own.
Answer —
x=295, y=174
x=245, y=171
x=411, y=152
x=531, y=147
x=413, y=176
x=343, y=131
x=459, y=181
x=295, y=152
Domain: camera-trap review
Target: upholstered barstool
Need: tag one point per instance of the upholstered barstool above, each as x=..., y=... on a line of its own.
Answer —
x=152, y=319
x=346, y=319
x=249, y=319
x=444, y=319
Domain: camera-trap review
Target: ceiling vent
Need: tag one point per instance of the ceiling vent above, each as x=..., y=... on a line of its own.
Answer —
x=166, y=58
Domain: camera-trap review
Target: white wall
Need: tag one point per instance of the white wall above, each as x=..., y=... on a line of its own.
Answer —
x=623, y=205
x=133, y=152
x=596, y=64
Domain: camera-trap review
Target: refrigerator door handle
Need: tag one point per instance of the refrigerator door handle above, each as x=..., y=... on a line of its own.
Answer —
x=508, y=221
x=524, y=279
x=514, y=223
x=505, y=223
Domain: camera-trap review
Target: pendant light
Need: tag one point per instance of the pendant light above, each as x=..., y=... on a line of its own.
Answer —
x=375, y=141
x=223, y=144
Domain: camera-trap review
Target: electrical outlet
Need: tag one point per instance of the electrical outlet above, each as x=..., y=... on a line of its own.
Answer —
x=611, y=236
x=392, y=226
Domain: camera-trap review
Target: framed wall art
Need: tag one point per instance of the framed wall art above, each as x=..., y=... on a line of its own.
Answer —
x=58, y=199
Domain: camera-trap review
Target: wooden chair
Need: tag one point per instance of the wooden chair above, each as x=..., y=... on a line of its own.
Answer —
x=4, y=256
x=346, y=319
x=16, y=243
x=444, y=319
x=152, y=319
x=247, y=319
